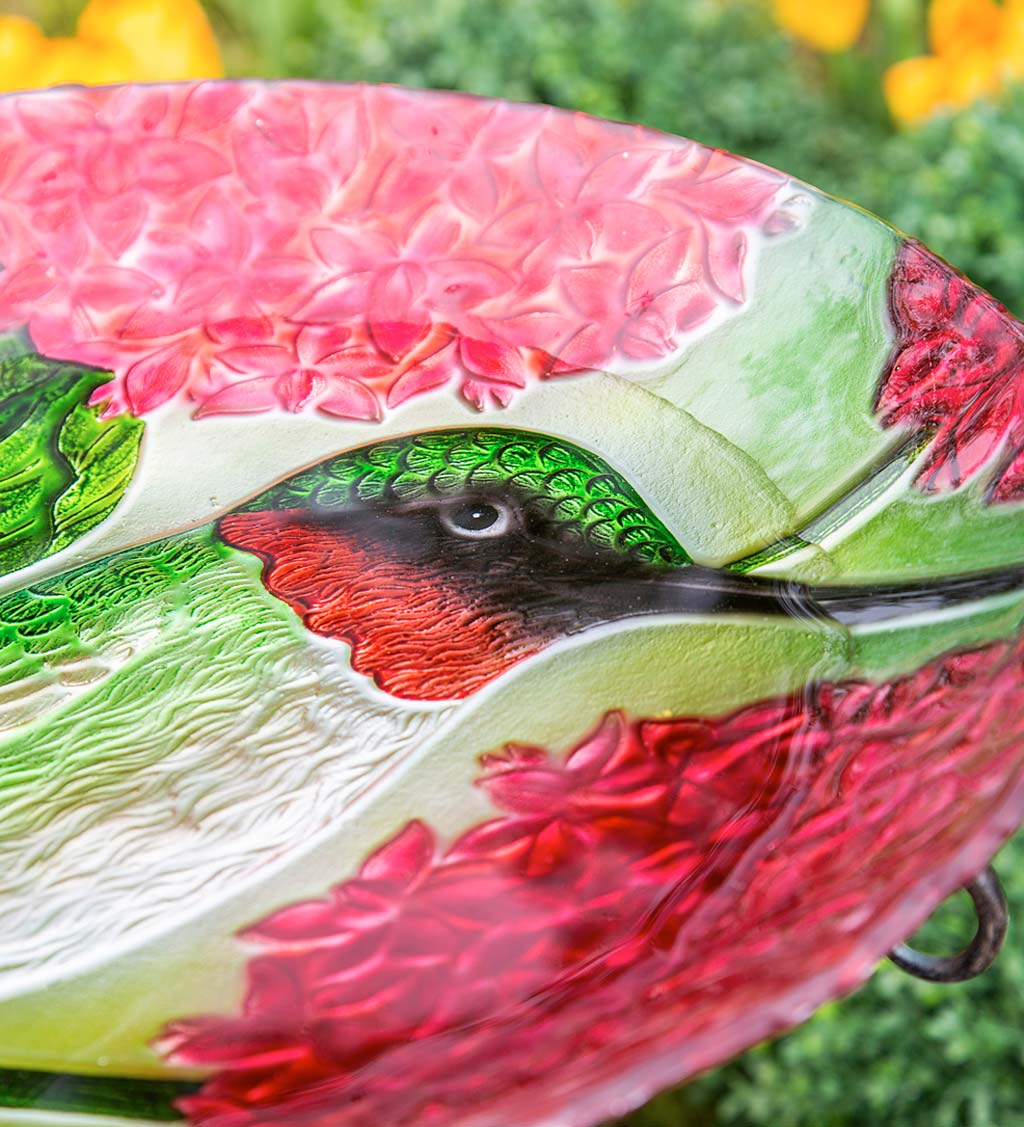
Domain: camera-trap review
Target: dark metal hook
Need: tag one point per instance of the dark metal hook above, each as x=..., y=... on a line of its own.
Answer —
x=990, y=906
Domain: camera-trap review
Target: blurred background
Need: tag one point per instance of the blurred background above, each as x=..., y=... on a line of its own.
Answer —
x=913, y=110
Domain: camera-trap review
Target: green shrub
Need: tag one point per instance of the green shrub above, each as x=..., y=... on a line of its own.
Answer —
x=958, y=185
x=899, y=1052
x=718, y=72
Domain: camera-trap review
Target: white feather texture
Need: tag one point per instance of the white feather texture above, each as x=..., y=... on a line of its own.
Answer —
x=211, y=738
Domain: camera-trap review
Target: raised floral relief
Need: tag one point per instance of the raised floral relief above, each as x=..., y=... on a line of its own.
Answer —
x=958, y=374
x=664, y=886
x=346, y=249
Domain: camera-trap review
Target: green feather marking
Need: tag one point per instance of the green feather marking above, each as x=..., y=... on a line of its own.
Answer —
x=571, y=488
x=62, y=467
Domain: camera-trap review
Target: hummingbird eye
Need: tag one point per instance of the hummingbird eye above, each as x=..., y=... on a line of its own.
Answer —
x=478, y=519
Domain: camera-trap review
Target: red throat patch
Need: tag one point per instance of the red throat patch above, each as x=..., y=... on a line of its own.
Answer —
x=419, y=636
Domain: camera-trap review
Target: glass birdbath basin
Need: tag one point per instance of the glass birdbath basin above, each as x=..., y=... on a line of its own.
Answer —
x=501, y=610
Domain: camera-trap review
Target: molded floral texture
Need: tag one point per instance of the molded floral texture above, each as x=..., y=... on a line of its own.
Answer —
x=958, y=372
x=253, y=246
x=669, y=893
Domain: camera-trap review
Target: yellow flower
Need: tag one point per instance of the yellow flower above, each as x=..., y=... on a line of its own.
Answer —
x=977, y=46
x=116, y=41
x=964, y=25
x=914, y=87
x=166, y=39
x=21, y=44
x=827, y=25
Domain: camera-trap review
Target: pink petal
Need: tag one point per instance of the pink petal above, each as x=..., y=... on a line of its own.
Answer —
x=349, y=399
x=49, y=120
x=494, y=361
x=588, y=349
x=729, y=190
x=673, y=260
x=727, y=251
x=479, y=394
x=105, y=287
x=275, y=279
x=67, y=334
x=683, y=307
x=433, y=235
x=463, y=283
x=396, y=292
x=157, y=378
x=344, y=141
x=625, y=226
x=167, y=165
x=297, y=187
x=109, y=166
x=219, y=228
x=296, y=388
x=475, y=191
x=520, y=227
x=209, y=105
x=241, y=331
x=419, y=379
x=295, y=924
x=340, y=299
x=340, y=250
x=27, y=284
x=281, y=118
x=596, y=291
x=507, y=129
x=559, y=167
x=116, y=222
x=359, y=362
x=51, y=175
x=619, y=175
x=405, y=185
x=267, y=359
x=146, y=107
x=397, y=338
x=242, y=398
x=544, y=329
x=315, y=343
x=150, y=322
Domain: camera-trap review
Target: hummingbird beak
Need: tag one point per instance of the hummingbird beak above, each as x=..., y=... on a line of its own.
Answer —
x=696, y=590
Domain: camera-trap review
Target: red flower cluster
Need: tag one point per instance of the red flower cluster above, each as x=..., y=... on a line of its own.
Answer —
x=671, y=892
x=346, y=248
x=958, y=372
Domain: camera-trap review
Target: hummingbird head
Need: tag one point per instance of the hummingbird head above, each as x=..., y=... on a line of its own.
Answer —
x=446, y=557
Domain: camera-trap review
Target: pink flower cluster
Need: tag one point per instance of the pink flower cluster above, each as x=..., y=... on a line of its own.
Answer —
x=253, y=246
x=958, y=372
x=669, y=893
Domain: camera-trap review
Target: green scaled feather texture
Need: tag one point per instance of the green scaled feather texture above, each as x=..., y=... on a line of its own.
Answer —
x=64, y=468
x=574, y=490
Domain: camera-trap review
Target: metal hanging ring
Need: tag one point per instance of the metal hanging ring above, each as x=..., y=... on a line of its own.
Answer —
x=990, y=906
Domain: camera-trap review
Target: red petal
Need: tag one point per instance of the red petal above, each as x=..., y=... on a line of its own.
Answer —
x=403, y=858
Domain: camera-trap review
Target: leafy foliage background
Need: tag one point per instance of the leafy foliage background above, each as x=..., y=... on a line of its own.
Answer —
x=899, y=1053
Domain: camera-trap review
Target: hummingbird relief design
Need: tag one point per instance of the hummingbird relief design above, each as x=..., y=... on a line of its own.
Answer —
x=500, y=610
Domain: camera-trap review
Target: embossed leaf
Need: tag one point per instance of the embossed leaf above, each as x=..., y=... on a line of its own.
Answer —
x=65, y=467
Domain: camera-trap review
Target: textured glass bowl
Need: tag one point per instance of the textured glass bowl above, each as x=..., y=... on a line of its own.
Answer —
x=502, y=610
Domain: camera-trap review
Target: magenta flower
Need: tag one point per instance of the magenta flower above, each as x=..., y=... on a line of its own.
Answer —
x=672, y=890
x=958, y=374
